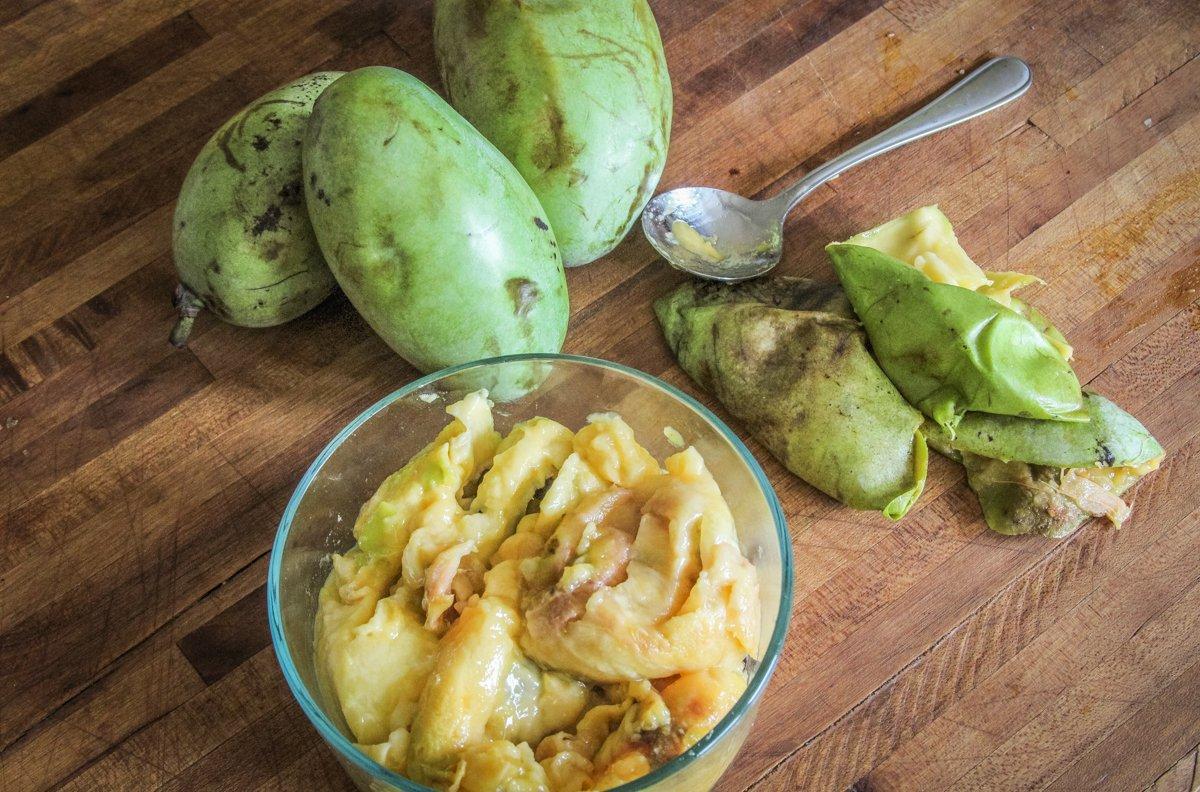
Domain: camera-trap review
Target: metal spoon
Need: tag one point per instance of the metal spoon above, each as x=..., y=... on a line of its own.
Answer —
x=723, y=236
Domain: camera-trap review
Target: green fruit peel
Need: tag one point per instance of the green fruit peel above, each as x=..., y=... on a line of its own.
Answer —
x=951, y=350
x=787, y=358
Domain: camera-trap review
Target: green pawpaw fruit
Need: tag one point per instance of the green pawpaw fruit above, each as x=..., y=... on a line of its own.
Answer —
x=242, y=241
x=576, y=94
x=429, y=230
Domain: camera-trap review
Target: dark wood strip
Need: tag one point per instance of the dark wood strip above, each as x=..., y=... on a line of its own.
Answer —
x=12, y=10
x=676, y=18
x=177, y=495
x=187, y=124
x=88, y=87
x=12, y=381
x=104, y=423
x=775, y=47
x=149, y=684
x=43, y=351
x=79, y=227
x=230, y=638
x=145, y=168
x=314, y=770
x=413, y=33
x=129, y=317
x=348, y=27
x=155, y=156
x=107, y=611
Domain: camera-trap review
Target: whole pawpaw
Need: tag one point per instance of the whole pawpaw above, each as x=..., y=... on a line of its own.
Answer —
x=576, y=94
x=242, y=241
x=429, y=230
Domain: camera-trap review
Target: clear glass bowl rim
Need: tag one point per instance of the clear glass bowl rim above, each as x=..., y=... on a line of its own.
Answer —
x=332, y=735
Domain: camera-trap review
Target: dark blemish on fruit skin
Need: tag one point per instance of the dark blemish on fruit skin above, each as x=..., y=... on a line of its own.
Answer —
x=476, y=14
x=284, y=279
x=420, y=126
x=260, y=143
x=214, y=303
x=540, y=223
x=735, y=172
x=292, y=193
x=841, y=346
x=267, y=221
x=214, y=266
x=322, y=196
x=223, y=144
x=510, y=90
x=312, y=180
x=524, y=294
x=552, y=149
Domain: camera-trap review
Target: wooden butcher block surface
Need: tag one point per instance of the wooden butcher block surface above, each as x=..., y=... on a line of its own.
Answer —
x=141, y=485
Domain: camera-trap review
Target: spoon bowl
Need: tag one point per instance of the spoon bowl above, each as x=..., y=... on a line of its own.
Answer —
x=723, y=236
x=715, y=234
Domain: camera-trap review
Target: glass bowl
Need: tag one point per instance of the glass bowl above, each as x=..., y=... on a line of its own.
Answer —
x=321, y=513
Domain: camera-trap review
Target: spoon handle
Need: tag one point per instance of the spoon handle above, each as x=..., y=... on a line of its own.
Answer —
x=993, y=84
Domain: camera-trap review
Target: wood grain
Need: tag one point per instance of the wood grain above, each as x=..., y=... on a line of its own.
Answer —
x=140, y=486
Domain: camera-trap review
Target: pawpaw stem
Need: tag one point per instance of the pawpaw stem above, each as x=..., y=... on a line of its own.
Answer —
x=189, y=306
